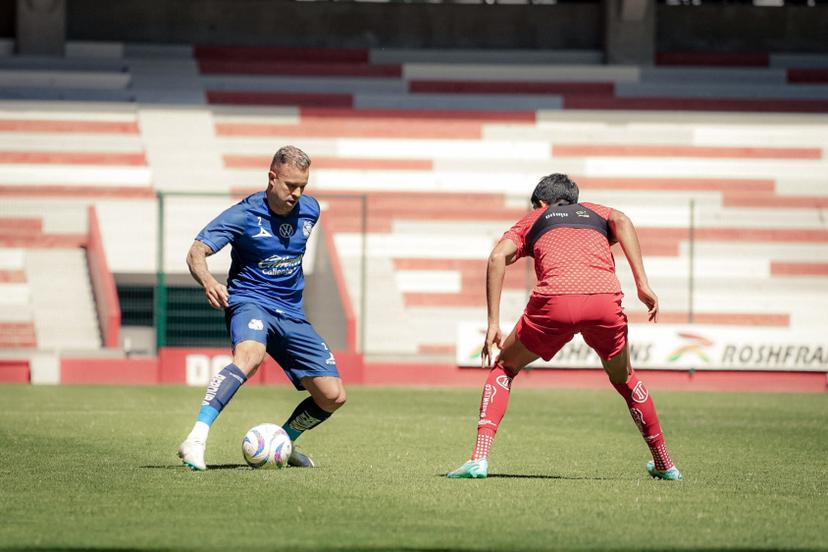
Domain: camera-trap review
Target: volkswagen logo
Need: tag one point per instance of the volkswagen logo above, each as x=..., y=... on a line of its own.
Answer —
x=286, y=230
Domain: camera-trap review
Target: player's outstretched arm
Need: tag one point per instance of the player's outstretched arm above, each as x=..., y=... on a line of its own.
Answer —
x=215, y=291
x=623, y=229
x=503, y=254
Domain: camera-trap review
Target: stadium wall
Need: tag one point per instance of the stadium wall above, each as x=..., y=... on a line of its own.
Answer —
x=195, y=366
x=741, y=28
x=339, y=25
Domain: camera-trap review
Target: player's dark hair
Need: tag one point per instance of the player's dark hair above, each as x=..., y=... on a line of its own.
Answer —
x=554, y=188
x=293, y=156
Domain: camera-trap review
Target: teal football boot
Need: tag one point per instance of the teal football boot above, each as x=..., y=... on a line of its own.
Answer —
x=473, y=469
x=668, y=475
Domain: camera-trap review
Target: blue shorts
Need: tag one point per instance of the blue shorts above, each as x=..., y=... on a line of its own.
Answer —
x=292, y=342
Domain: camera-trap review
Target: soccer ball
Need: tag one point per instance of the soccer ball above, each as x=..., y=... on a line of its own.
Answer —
x=266, y=446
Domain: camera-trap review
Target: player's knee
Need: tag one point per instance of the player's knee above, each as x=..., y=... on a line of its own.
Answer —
x=248, y=358
x=511, y=369
x=333, y=399
x=617, y=378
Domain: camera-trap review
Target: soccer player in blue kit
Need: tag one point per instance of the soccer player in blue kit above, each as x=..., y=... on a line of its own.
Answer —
x=262, y=303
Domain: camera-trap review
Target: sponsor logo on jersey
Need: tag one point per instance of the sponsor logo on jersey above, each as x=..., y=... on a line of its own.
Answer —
x=639, y=393
x=255, y=324
x=286, y=230
x=307, y=226
x=550, y=215
x=276, y=265
x=583, y=214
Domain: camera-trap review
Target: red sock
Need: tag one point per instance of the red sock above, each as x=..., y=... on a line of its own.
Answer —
x=644, y=415
x=492, y=408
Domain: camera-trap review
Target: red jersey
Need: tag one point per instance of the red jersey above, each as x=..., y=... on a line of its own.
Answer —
x=568, y=261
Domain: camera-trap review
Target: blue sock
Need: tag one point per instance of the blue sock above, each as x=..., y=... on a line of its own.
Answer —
x=219, y=392
x=307, y=415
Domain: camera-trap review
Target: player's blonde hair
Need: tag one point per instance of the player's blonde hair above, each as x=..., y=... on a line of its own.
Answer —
x=293, y=156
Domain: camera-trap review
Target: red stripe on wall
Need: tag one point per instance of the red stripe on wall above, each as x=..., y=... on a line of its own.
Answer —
x=71, y=158
x=432, y=114
x=14, y=371
x=779, y=268
x=92, y=190
x=244, y=53
x=739, y=234
x=357, y=128
x=614, y=150
x=298, y=69
x=17, y=335
x=808, y=76
x=109, y=371
x=21, y=225
x=12, y=276
x=713, y=59
x=91, y=127
x=664, y=184
x=44, y=241
x=427, y=374
x=279, y=98
x=739, y=199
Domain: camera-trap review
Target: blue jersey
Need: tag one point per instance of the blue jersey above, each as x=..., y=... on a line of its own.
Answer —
x=267, y=251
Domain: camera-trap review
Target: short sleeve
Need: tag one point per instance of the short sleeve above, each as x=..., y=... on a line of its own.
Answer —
x=517, y=233
x=225, y=228
x=602, y=210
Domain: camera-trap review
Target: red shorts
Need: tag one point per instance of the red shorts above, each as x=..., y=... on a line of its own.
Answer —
x=550, y=321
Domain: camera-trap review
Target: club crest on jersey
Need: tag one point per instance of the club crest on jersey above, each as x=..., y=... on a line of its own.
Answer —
x=276, y=265
x=307, y=226
x=286, y=230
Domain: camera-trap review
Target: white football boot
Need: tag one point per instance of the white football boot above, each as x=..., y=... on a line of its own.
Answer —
x=191, y=453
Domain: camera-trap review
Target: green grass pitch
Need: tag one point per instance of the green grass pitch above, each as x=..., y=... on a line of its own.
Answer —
x=95, y=467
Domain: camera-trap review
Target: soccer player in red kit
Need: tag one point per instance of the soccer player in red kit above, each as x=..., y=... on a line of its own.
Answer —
x=577, y=291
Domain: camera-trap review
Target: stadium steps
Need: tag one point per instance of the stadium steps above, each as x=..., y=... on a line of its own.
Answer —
x=61, y=297
x=16, y=321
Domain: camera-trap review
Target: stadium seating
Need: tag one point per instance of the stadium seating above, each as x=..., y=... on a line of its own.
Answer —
x=447, y=147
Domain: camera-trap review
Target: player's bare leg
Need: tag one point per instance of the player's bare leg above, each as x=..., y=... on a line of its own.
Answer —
x=247, y=357
x=327, y=395
x=513, y=357
x=643, y=412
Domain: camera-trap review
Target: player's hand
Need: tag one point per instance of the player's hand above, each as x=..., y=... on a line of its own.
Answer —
x=494, y=339
x=650, y=300
x=217, y=295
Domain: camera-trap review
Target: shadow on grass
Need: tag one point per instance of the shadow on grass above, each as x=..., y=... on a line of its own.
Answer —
x=540, y=476
x=183, y=467
x=543, y=476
